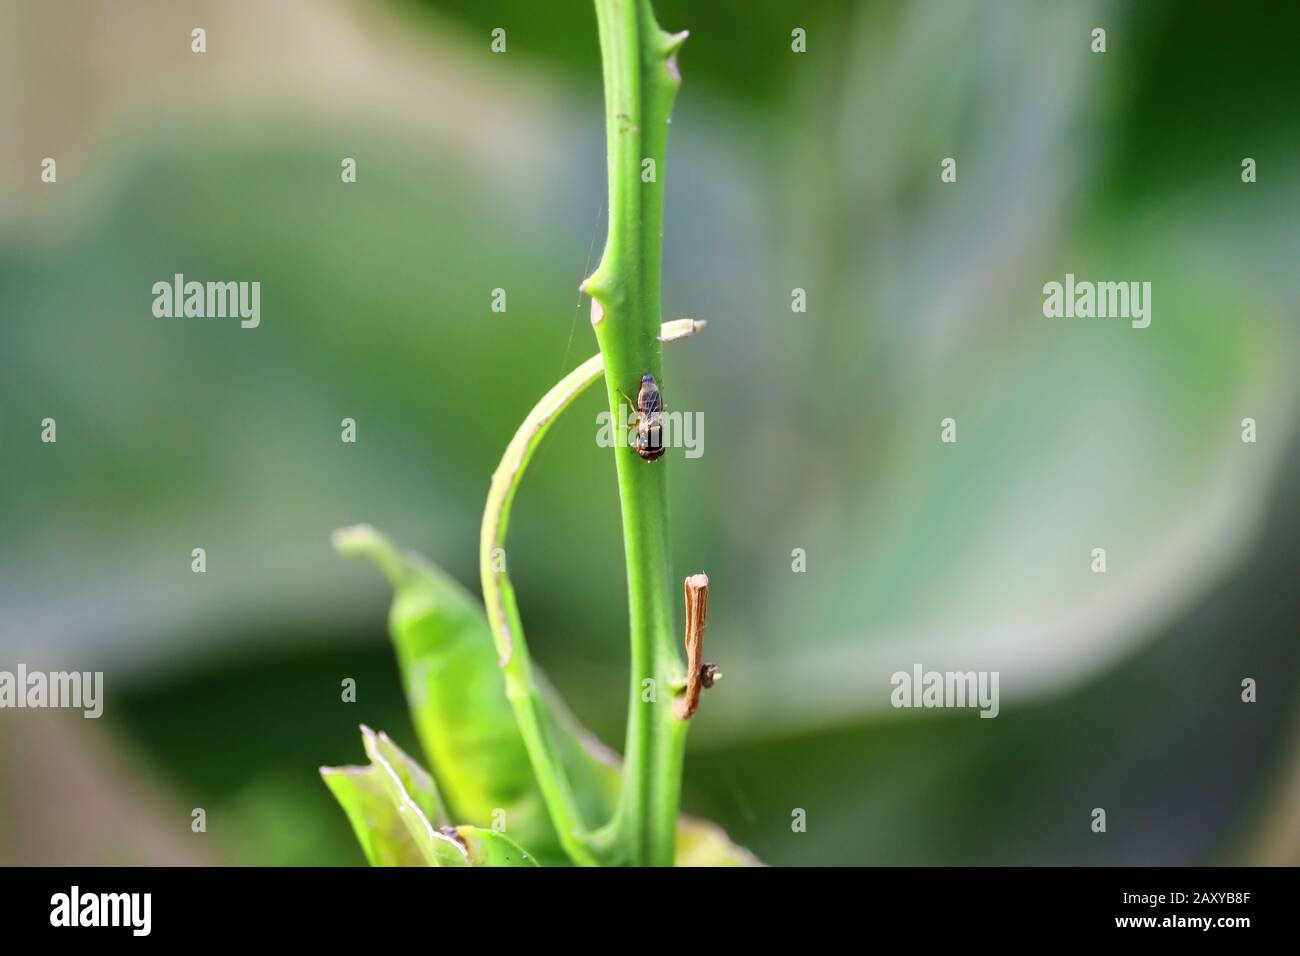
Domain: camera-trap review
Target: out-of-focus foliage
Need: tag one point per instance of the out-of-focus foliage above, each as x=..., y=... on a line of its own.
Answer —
x=817, y=171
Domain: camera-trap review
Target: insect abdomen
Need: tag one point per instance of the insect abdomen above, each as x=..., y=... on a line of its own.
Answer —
x=650, y=452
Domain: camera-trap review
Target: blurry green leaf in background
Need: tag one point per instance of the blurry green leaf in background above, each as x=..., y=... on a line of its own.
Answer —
x=478, y=172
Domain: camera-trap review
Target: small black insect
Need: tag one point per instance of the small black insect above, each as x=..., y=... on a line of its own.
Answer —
x=648, y=420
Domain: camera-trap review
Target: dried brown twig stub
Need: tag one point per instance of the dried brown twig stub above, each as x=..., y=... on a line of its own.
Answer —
x=698, y=673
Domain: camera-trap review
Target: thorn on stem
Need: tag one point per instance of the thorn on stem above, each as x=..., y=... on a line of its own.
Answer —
x=673, y=41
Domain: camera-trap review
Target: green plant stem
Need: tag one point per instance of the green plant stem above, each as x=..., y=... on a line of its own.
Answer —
x=583, y=845
x=641, y=81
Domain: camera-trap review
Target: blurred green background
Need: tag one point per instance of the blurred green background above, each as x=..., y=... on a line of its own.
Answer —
x=819, y=171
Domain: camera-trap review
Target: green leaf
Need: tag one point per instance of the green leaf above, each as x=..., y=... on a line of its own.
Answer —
x=415, y=800
x=413, y=779
x=458, y=703
x=383, y=836
x=701, y=843
x=490, y=848
x=393, y=807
